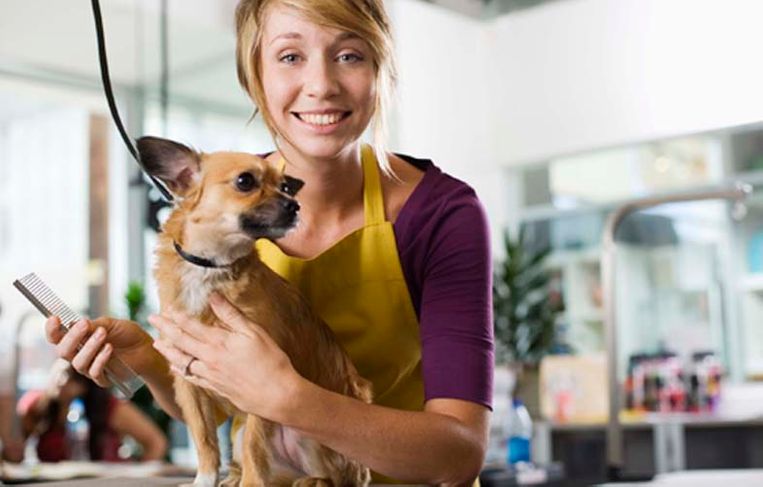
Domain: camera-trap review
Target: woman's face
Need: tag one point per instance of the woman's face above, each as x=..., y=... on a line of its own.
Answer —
x=318, y=83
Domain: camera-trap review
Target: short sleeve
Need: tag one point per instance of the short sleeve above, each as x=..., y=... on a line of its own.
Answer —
x=456, y=303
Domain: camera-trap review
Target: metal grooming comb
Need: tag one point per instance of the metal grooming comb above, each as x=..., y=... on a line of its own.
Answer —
x=39, y=294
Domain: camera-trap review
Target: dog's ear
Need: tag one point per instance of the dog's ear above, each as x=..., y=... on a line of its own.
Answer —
x=291, y=185
x=174, y=164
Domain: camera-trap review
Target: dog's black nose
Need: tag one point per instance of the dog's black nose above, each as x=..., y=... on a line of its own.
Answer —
x=290, y=205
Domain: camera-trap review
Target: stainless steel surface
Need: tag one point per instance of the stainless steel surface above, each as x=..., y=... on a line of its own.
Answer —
x=738, y=194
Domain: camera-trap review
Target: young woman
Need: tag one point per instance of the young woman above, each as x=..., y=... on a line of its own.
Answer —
x=44, y=412
x=392, y=253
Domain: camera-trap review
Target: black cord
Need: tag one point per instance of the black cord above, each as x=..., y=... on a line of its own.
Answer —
x=106, y=79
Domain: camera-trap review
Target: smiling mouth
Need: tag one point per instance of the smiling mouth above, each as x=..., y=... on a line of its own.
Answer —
x=322, y=119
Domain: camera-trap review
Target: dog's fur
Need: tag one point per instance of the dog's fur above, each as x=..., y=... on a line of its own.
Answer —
x=217, y=216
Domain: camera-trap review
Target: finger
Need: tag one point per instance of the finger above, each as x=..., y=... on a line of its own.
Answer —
x=192, y=326
x=53, y=331
x=202, y=382
x=84, y=358
x=230, y=315
x=177, y=359
x=181, y=339
x=67, y=346
x=97, y=370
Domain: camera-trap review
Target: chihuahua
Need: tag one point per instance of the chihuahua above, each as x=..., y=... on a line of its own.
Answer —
x=224, y=201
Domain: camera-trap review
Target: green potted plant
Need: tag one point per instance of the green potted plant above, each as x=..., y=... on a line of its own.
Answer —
x=524, y=314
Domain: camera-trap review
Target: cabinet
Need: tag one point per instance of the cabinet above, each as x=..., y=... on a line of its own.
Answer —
x=653, y=447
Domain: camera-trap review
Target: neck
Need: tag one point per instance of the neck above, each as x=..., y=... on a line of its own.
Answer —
x=199, y=245
x=334, y=186
x=199, y=261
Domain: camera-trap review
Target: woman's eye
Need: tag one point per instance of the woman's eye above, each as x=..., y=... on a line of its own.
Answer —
x=246, y=182
x=289, y=58
x=350, y=58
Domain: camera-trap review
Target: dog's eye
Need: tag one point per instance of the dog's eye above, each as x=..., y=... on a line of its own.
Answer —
x=246, y=182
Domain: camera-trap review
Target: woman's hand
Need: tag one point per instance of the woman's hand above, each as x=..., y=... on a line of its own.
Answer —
x=101, y=339
x=238, y=361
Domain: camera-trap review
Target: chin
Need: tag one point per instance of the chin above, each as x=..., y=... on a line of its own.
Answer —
x=325, y=148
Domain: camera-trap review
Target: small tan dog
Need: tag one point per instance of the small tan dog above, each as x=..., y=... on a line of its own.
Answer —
x=225, y=201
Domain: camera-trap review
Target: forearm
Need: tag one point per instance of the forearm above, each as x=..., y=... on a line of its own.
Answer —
x=156, y=448
x=416, y=447
x=160, y=380
x=154, y=452
x=6, y=417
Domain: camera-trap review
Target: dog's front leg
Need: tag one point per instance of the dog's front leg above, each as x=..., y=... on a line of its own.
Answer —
x=255, y=461
x=199, y=414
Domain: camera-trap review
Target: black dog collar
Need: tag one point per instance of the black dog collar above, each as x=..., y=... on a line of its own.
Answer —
x=194, y=259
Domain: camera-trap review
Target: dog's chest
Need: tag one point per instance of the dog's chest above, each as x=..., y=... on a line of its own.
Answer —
x=196, y=284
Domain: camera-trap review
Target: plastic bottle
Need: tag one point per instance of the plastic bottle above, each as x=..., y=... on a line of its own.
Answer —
x=78, y=431
x=519, y=428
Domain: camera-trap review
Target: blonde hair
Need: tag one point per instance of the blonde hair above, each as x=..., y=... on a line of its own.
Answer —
x=364, y=18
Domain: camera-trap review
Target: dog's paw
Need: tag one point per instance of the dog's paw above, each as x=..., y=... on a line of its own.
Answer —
x=312, y=482
x=203, y=480
x=234, y=476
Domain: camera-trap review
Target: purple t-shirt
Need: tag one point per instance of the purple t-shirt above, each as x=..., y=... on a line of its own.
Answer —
x=443, y=242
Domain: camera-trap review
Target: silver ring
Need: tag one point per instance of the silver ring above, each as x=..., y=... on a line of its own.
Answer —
x=187, y=370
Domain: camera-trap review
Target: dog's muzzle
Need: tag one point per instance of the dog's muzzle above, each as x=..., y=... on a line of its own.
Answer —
x=271, y=220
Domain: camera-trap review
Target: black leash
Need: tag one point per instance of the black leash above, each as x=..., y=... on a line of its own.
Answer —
x=106, y=79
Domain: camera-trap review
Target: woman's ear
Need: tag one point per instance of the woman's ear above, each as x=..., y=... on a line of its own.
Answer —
x=176, y=165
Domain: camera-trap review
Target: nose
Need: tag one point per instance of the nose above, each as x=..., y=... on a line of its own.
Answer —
x=290, y=205
x=321, y=81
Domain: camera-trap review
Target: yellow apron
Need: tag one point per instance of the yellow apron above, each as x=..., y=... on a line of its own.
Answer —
x=358, y=288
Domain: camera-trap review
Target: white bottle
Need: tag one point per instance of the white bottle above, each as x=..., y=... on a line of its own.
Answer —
x=519, y=428
x=78, y=431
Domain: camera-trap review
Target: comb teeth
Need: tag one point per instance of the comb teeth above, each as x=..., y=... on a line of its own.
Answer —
x=46, y=300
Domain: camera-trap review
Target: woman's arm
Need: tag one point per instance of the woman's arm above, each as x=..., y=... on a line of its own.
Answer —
x=443, y=444
x=13, y=446
x=127, y=419
x=128, y=340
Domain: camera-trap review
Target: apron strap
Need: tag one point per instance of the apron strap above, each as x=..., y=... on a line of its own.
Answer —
x=373, y=198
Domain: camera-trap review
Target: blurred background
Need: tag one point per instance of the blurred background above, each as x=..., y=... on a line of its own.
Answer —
x=557, y=112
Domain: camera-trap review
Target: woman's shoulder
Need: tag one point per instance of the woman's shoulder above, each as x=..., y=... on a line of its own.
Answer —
x=437, y=193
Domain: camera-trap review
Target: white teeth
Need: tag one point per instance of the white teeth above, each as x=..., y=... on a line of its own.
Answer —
x=325, y=119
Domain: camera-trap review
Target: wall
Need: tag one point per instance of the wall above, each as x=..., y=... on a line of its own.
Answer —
x=444, y=99
x=584, y=74
x=568, y=77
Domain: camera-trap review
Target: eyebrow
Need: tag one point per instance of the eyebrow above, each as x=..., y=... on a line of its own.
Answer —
x=296, y=35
